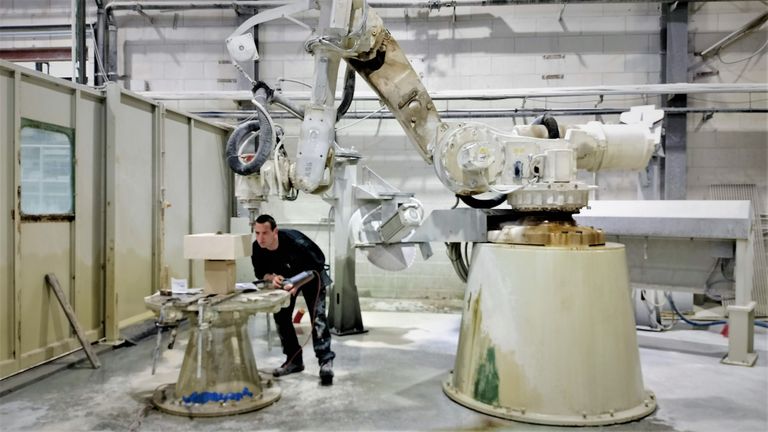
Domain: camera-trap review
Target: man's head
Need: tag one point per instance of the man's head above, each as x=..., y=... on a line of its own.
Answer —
x=265, y=230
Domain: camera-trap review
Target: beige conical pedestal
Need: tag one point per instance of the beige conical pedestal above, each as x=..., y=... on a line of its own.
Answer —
x=222, y=377
x=548, y=337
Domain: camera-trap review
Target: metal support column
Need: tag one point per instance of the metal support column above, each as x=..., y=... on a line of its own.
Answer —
x=741, y=316
x=100, y=51
x=344, y=306
x=674, y=69
x=80, y=50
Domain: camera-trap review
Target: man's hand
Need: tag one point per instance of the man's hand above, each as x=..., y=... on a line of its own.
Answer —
x=291, y=289
x=277, y=281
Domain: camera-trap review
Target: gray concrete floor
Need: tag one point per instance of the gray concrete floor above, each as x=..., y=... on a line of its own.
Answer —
x=387, y=379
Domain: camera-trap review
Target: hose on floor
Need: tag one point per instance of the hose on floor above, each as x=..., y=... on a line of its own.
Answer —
x=704, y=324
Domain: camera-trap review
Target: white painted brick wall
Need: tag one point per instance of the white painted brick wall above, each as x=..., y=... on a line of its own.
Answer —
x=484, y=48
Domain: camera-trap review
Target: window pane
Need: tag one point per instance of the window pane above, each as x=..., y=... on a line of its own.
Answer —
x=46, y=171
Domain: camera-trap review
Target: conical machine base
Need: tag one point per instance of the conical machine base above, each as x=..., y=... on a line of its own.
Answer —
x=219, y=375
x=548, y=337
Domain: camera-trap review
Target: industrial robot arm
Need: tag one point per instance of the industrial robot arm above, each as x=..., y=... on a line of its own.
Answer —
x=533, y=169
x=533, y=166
x=352, y=31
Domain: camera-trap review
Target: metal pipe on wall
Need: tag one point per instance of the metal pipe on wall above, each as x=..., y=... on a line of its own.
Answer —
x=110, y=63
x=490, y=113
x=73, y=42
x=432, y=4
x=101, y=42
x=495, y=94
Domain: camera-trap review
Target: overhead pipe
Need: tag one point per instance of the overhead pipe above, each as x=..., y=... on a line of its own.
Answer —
x=429, y=4
x=491, y=113
x=500, y=94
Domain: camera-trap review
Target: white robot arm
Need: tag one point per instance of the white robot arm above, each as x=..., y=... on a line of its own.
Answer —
x=535, y=170
x=533, y=166
x=352, y=31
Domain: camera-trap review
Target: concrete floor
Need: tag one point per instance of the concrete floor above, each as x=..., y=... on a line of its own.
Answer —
x=390, y=379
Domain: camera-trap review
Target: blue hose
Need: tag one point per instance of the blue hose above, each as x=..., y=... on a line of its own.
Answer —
x=693, y=323
x=704, y=324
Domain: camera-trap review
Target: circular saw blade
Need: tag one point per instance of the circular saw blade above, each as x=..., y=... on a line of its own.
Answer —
x=391, y=257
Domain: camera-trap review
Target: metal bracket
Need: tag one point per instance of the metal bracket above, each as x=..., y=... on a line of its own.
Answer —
x=741, y=350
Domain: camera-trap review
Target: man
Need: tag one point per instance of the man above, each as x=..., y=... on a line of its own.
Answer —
x=282, y=254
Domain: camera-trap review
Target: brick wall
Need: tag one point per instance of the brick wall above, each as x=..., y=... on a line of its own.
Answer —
x=482, y=48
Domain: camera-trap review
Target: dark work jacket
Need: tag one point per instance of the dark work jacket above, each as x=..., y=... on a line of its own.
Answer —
x=289, y=259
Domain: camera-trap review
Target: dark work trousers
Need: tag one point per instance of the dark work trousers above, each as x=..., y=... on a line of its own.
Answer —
x=321, y=335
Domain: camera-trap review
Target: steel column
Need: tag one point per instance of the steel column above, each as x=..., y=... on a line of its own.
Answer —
x=344, y=315
x=674, y=69
x=80, y=51
x=100, y=51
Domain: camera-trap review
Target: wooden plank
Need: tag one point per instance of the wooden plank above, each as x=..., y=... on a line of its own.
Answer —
x=53, y=282
x=36, y=54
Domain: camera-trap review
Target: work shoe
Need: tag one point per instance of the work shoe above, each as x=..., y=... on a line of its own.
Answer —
x=326, y=373
x=287, y=368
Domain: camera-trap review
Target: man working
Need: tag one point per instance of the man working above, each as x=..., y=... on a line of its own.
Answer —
x=277, y=256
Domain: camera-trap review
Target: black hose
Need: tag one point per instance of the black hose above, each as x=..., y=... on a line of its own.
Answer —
x=482, y=203
x=349, y=93
x=264, y=145
x=693, y=323
x=550, y=123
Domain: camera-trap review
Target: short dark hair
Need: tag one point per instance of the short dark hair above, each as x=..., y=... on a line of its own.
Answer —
x=265, y=218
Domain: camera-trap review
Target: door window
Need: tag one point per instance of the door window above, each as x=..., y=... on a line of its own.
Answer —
x=47, y=169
